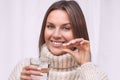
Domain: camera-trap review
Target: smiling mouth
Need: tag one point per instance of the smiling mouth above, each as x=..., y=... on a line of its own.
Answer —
x=57, y=43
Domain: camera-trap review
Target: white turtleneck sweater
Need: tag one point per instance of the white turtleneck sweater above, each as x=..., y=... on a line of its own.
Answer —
x=63, y=67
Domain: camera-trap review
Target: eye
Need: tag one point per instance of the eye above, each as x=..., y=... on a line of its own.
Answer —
x=50, y=26
x=66, y=28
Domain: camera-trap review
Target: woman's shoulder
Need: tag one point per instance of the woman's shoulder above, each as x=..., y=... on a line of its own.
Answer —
x=90, y=69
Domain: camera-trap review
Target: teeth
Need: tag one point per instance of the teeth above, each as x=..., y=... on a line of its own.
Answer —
x=57, y=43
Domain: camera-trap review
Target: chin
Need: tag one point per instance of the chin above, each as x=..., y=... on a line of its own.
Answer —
x=57, y=52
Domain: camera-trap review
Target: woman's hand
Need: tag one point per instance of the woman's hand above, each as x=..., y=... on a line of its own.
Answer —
x=28, y=71
x=83, y=46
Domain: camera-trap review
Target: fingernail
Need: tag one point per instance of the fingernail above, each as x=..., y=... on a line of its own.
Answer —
x=39, y=68
x=41, y=73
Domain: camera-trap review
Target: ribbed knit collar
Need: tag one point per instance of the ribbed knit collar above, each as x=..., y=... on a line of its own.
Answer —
x=61, y=62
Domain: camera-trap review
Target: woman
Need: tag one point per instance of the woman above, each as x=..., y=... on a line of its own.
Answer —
x=64, y=42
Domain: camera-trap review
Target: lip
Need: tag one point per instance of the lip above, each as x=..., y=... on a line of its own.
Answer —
x=56, y=44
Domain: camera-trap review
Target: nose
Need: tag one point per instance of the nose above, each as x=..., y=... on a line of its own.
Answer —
x=57, y=34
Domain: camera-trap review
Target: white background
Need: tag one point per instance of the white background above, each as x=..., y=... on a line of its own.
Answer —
x=20, y=24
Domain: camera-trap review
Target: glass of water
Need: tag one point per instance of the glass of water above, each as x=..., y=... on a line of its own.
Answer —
x=43, y=66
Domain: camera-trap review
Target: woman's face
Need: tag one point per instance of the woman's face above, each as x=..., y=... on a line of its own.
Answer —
x=58, y=30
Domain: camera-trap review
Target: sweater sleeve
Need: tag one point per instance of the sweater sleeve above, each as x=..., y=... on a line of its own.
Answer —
x=89, y=71
x=15, y=75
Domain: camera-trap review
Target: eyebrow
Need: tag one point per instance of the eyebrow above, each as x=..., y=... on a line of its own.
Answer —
x=61, y=25
x=49, y=23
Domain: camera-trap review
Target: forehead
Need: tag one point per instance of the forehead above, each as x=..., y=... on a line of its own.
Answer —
x=58, y=15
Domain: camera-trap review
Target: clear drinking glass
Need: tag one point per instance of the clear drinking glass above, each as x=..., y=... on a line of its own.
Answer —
x=43, y=65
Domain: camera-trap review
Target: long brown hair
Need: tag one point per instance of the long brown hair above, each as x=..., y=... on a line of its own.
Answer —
x=76, y=17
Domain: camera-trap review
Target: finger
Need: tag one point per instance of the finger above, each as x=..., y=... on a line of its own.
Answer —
x=73, y=42
x=25, y=71
x=31, y=72
x=31, y=67
x=84, y=42
x=23, y=77
x=76, y=40
x=38, y=73
x=28, y=70
x=72, y=53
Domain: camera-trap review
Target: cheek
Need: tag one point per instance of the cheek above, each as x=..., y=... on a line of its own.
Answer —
x=47, y=34
x=69, y=36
